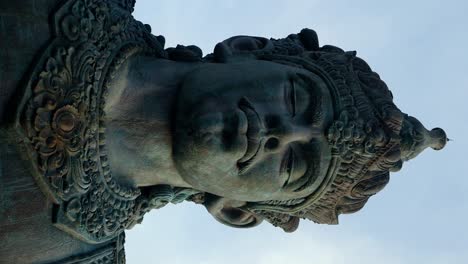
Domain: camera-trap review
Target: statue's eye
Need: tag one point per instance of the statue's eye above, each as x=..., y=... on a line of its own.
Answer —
x=290, y=98
x=294, y=169
x=287, y=165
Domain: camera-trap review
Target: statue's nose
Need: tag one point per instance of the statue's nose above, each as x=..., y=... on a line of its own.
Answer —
x=280, y=132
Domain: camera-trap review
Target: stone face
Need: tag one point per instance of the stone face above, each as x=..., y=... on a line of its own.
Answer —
x=101, y=124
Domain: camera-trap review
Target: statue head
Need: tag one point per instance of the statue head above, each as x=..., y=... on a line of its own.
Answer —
x=280, y=130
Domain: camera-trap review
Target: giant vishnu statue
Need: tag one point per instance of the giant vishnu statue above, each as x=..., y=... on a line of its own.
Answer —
x=112, y=125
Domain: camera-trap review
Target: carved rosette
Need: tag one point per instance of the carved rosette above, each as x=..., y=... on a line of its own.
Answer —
x=60, y=115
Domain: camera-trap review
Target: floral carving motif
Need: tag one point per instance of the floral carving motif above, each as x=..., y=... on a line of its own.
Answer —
x=57, y=129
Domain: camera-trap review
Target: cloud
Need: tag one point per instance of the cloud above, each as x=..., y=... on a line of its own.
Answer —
x=187, y=234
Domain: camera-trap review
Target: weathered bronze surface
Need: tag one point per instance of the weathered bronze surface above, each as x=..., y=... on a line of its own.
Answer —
x=111, y=125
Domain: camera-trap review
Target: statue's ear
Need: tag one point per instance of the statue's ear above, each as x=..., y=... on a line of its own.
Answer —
x=230, y=212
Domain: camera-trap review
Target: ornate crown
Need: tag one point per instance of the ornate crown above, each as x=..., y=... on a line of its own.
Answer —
x=369, y=138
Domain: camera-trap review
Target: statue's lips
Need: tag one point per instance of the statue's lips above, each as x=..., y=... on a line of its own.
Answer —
x=253, y=132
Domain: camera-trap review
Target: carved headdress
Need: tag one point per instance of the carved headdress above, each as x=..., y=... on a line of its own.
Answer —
x=369, y=137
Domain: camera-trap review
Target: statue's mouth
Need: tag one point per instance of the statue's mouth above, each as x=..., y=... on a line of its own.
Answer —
x=253, y=135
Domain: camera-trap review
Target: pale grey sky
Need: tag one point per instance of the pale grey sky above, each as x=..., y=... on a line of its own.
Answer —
x=420, y=50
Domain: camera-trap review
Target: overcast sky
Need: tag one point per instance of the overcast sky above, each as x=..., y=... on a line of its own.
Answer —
x=419, y=48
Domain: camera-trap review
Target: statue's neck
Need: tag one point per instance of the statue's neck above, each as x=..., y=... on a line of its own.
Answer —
x=139, y=110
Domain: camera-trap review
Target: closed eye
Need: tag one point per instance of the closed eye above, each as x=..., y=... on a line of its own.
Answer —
x=294, y=169
x=290, y=98
x=314, y=100
x=287, y=165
